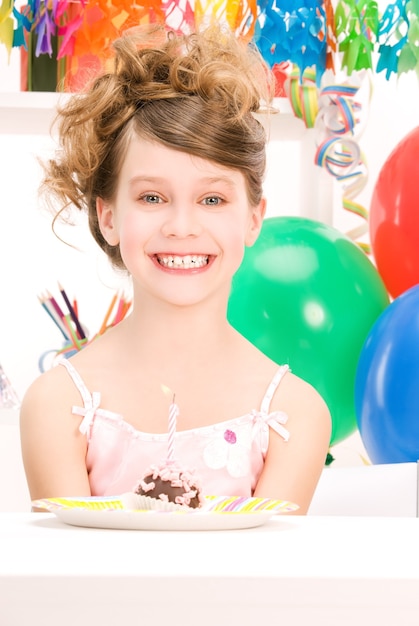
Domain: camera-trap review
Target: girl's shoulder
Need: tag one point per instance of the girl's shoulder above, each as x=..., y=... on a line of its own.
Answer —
x=51, y=393
x=306, y=408
x=53, y=450
x=298, y=392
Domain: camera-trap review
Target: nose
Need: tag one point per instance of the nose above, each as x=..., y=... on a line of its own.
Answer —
x=182, y=222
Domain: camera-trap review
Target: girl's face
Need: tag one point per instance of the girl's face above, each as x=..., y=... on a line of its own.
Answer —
x=181, y=222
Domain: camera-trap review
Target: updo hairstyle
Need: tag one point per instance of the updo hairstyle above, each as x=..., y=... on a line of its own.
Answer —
x=195, y=93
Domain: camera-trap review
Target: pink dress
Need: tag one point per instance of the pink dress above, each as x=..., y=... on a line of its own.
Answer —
x=228, y=456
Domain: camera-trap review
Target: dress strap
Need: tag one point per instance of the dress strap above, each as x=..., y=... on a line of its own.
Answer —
x=91, y=401
x=78, y=381
x=267, y=399
x=275, y=419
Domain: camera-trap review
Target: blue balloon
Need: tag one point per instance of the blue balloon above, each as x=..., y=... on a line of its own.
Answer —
x=387, y=383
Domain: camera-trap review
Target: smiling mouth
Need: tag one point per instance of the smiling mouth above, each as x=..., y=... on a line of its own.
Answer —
x=189, y=261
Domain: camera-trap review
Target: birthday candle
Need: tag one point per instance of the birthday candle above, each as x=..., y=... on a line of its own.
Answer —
x=173, y=415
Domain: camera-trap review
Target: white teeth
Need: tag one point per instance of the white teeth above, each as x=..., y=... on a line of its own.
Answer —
x=188, y=261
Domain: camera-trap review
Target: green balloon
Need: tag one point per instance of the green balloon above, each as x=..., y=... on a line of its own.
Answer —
x=308, y=296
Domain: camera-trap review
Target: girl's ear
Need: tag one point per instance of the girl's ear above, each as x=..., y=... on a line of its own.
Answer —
x=255, y=224
x=106, y=220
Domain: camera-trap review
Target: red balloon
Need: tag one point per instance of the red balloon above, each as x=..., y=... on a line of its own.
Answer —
x=394, y=217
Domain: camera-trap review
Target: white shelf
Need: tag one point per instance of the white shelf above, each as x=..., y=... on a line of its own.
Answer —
x=32, y=113
x=28, y=113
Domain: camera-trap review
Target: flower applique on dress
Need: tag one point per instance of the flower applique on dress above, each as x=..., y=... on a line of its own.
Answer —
x=230, y=448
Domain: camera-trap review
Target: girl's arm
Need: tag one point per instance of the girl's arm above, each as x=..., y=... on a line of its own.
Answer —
x=53, y=449
x=292, y=468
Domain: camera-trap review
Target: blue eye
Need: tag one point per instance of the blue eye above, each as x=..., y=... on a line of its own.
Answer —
x=151, y=198
x=212, y=201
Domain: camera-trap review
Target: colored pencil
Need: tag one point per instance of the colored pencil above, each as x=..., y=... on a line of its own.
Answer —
x=58, y=322
x=72, y=312
x=75, y=340
x=122, y=310
x=55, y=305
x=118, y=315
x=107, y=316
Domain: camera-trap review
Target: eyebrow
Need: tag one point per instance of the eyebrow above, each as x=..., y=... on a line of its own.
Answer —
x=160, y=179
x=145, y=179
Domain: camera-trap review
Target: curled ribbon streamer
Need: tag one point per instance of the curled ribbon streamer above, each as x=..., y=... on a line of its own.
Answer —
x=335, y=114
x=338, y=150
x=302, y=93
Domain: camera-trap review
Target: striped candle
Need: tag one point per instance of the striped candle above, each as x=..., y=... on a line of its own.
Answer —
x=173, y=414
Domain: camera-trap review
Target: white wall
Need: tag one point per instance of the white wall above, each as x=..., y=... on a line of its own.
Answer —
x=33, y=260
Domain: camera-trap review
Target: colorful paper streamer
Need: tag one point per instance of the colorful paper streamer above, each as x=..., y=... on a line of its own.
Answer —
x=307, y=34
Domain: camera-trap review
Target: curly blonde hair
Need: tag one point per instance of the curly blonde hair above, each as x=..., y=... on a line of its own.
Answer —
x=195, y=93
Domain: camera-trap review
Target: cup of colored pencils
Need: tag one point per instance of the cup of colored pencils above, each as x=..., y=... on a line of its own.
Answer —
x=65, y=315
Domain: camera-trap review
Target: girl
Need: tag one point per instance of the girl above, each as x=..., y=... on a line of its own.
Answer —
x=166, y=156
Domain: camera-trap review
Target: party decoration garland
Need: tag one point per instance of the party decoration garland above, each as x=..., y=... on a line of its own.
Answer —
x=356, y=23
x=293, y=31
x=399, y=52
x=306, y=33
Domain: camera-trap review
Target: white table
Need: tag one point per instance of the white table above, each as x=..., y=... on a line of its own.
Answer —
x=294, y=570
